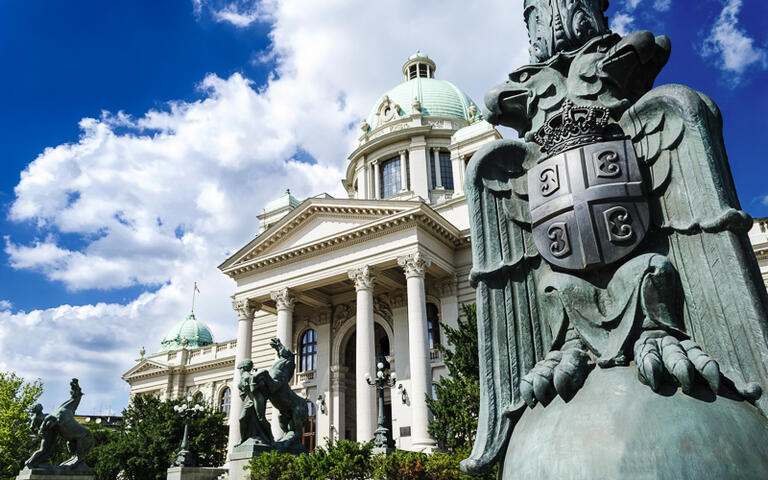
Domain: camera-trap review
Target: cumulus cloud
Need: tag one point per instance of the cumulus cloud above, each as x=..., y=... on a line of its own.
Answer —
x=161, y=198
x=240, y=13
x=623, y=21
x=729, y=45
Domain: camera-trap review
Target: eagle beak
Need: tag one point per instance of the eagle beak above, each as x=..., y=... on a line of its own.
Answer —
x=508, y=106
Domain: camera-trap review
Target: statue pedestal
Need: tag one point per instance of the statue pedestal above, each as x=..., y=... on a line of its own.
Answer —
x=616, y=427
x=195, y=473
x=241, y=455
x=53, y=474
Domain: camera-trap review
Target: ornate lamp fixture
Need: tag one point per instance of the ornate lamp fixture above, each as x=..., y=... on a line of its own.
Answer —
x=185, y=458
x=382, y=437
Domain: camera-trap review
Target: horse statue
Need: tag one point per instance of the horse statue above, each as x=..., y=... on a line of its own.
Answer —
x=274, y=385
x=61, y=422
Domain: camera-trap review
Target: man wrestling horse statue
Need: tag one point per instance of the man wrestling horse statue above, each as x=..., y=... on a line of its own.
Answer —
x=61, y=422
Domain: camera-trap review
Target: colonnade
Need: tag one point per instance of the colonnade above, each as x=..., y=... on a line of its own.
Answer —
x=364, y=278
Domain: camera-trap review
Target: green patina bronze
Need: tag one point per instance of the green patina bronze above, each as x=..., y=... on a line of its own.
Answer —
x=621, y=312
x=272, y=385
x=60, y=423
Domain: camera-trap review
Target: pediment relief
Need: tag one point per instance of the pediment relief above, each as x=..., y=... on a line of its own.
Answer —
x=313, y=223
x=145, y=367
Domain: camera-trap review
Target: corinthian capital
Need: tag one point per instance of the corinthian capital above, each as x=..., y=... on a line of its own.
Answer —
x=284, y=298
x=245, y=308
x=414, y=264
x=363, y=277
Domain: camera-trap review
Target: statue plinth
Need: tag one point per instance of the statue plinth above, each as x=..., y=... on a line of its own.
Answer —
x=195, y=473
x=242, y=454
x=616, y=427
x=54, y=474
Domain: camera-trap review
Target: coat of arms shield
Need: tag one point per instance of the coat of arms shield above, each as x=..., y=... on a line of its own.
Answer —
x=588, y=205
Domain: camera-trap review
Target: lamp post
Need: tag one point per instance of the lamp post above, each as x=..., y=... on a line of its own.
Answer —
x=382, y=437
x=185, y=458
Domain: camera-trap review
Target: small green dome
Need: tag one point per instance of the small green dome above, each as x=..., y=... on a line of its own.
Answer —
x=435, y=97
x=284, y=200
x=189, y=333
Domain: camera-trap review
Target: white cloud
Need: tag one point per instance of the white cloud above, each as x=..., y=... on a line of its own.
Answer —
x=160, y=199
x=731, y=47
x=622, y=23
x=5, y=305
x=240, y=13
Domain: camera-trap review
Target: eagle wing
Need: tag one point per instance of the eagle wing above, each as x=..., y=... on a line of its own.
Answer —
x=698, y=224
x=506, y=266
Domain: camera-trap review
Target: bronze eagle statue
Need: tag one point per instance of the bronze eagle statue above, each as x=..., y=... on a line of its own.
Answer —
x=610, y=237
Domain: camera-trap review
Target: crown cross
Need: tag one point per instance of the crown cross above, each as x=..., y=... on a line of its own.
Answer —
x=571, y=127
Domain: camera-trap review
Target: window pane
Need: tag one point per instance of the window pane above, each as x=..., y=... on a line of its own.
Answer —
x=390, y=177
x=308, y=351
x=226, y=401
x=446, y=170
x=433, y=325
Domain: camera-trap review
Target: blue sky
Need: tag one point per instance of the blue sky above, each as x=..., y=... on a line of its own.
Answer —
x=150, y=133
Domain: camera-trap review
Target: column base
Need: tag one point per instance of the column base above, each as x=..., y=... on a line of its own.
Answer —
x=195, y=473
x=426, y=446
x=54, y=474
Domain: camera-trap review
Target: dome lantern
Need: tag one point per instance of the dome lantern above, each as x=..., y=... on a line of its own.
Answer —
x=419, y=65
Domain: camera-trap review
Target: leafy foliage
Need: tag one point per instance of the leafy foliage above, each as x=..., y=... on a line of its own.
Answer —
x=457, y=403
x=17, y=397
x=346, y=460
x=146, y=443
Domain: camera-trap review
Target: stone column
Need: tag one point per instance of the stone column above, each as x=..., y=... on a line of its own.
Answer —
x=376, y=180
x=285, y=300
x=417, y=153
x=403, y=172
x=458, y=174
x=245, y=310
x=337, y=403
x=365, y=396
x=415, y=266
x=436, y=161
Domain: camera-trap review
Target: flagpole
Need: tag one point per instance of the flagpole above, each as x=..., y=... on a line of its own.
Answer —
x=193, y=298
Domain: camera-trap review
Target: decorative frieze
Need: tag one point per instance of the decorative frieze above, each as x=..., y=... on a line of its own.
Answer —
x=363, y=277
x=415, y=264
x=284, y=298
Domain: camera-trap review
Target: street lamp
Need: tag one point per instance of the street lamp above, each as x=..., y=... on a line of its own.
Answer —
x=382, y=437
x=185, y=458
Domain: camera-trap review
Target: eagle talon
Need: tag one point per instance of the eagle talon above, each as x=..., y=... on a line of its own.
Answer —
x=656, y=356
x=560, y=373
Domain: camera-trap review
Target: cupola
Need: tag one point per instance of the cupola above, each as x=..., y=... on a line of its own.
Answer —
x=189, y=333
x=418, y=65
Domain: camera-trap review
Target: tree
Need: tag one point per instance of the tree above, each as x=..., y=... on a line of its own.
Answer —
x=149, y=438
x=457, y=403
x=17, y=397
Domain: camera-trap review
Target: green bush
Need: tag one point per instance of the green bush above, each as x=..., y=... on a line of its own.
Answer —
x=346, y=460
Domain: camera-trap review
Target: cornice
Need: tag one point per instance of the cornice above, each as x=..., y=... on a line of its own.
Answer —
x=282, y=229
x=420, y=216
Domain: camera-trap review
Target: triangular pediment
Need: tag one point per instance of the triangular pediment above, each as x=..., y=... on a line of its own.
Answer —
x=145, y=367
x=313, y=220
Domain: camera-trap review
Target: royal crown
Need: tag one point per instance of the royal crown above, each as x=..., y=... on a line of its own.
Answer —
x=571, y=127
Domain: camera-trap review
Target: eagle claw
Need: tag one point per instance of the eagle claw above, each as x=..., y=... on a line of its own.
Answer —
x=657, y=356
x=560, y=373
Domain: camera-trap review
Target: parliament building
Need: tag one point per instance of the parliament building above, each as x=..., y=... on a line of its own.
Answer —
x=341, y=281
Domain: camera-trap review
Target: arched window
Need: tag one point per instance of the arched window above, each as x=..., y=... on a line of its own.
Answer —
x=198, y=398
x=308, y=351
x=308, y=433
x=226, y=401
x=433, y=325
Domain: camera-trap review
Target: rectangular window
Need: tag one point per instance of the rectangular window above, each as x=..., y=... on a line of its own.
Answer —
x=446, y=170
x=390, y=180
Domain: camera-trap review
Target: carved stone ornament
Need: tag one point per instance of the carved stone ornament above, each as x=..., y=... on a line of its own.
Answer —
x=245, y=308
x=363, y=277
x=388, y=110
x=416, y=105
x=414, y=264
x=284, y=298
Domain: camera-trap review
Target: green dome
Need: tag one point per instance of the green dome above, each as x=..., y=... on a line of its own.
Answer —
x=189, y=333
x=435, y=97
x=284, y=200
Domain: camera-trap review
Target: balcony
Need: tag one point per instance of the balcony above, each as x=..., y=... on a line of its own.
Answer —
x=435, y=356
